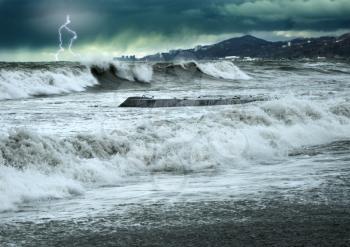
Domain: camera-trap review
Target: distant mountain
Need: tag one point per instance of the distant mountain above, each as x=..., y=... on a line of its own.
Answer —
x=250, y=46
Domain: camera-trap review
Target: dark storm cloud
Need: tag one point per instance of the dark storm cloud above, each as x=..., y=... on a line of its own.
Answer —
x=34, y=23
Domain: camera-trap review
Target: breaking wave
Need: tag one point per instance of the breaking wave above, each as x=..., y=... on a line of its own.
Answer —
x=24, y=80
x=34, y=166
x=116, y=71
x=223, y=70
x=215, y=69
x=27, y=82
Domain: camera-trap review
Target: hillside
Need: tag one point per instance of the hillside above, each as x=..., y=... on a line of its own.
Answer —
x=250, y=46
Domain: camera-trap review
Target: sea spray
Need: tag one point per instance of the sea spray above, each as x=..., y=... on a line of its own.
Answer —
x=24, y=83
x=37, y=79
x=222, y=70
x=35, y=166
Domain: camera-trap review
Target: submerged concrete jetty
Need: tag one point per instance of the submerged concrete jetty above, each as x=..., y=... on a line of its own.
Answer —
x=146, y=102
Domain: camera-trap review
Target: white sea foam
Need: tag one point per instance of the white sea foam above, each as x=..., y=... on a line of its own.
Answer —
x=23, y=83
x=134, y=72
x=35, y=166
x=19, y=186
x=222, y=70
x=143, y=72
x=27, y=82
x=38, y=79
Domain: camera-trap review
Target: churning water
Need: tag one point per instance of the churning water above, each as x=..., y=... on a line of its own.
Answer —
x=68, y=153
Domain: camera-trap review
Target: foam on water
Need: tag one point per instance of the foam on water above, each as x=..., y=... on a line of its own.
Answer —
x=34, y=166
x=23, y=83
x=222, y=70
x=29, y=80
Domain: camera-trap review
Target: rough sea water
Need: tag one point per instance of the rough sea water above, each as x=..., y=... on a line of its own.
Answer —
x=76, y=170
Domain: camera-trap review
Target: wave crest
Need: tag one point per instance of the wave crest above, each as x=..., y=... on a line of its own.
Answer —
x=24, y=83
x=30, y=80
x=215, y=69
x=223, y=70
x=21, y=148
x=35, y=166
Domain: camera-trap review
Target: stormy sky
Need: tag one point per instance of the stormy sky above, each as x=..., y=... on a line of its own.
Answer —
x=114, y=27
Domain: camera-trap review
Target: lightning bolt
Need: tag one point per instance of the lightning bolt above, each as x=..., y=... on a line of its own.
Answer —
x=71, y=41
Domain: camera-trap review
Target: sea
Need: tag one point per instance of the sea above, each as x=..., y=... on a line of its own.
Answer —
x=78, y=170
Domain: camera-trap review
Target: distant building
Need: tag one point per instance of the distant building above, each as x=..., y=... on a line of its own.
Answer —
x=197, y=48
x=126, y=58
x=289, y=44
